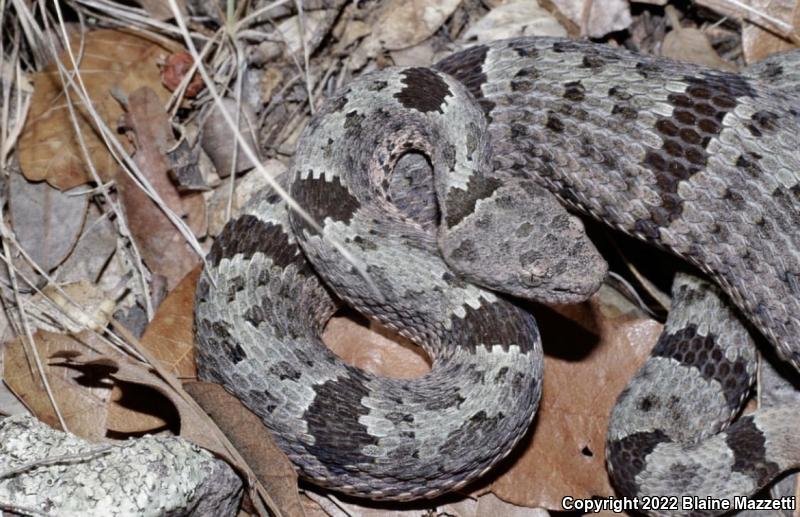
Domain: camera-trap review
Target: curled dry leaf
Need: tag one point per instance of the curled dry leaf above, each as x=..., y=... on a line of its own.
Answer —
x=194, y=426
x=519, y=18
x=48, y=146
x=254, y=442
x=591, y=352
x=46, y=221
x=79, y=368
x=81, y=392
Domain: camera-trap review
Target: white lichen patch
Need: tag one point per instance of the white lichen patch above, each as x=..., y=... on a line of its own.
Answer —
x=53, y=472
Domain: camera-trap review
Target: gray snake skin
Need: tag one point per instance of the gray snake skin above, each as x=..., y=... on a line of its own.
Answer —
x=705, y=164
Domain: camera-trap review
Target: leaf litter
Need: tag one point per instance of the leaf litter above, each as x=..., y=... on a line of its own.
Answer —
x=92, y=231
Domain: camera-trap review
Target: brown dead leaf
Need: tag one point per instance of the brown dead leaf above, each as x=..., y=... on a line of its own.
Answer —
x=194, y=425
x=758, y=43
x=761, y=37
x=592, y=350
x=80, y=393
x=170, y=336
x=196, y=213
x=151, y=133
x=149, y=225
x=46, y=221
x=247, y=433
x=376, y=350
x=48, y=147
x=403, y=23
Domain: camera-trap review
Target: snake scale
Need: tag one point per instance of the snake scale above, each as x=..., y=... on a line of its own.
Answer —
x=702, y=163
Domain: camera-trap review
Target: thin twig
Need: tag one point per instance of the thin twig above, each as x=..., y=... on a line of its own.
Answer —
x=55, y=460
x=22, y=510
x=301, y=16
x=27, y=334
x=87, y=157
x=251, y=155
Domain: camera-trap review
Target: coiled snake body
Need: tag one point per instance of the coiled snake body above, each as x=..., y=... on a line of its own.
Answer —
x=699, y=162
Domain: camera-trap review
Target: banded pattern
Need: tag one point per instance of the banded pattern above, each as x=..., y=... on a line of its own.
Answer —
x=702, y=163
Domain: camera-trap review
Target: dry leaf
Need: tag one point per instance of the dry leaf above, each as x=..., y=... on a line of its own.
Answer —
x=46, y=221
x=254, y=442
x=170, y=336
x=404, y=23
x=244, y=188
x=93, y=310
x=151, y=132
x=194, y=426
x=377, y=351
x=758, y=42
x=519, y=18
x=48, y=147
x=160, y=10
x=490, y=504
x=314, y=22
x=600, y=343
x=176, y=68
x=149, y=225
x=219, y=142
x=596, y=19
x=352, y=31
x=196, y=213
x=418, y=55
x=80, y=392
x=91, y=253
x=692, y=46
x=185, y=170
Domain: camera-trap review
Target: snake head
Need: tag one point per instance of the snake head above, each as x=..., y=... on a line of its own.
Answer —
x=521, y=241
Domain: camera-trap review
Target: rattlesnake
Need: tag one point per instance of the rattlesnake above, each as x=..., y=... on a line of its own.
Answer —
x=700, y=162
